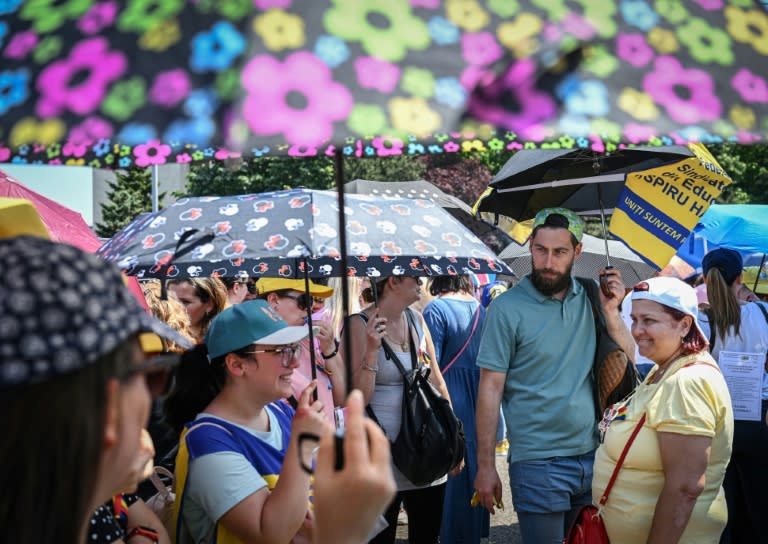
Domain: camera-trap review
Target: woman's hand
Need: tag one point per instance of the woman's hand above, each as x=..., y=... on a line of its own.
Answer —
x=324, y=335
x=309, y=417
x=375, y=330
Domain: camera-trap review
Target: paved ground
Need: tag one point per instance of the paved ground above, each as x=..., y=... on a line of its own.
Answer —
x=504, y=528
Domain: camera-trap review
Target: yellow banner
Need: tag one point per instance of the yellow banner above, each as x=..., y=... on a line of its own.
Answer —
x=660, y=206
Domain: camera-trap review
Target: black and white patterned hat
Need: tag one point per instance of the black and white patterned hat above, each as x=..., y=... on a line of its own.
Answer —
x=61, y=309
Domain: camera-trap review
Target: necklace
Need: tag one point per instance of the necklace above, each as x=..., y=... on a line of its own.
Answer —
x=403, y=344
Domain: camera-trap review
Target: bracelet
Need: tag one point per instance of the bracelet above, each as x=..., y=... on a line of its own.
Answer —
x=146, y=532
x=373, y=369
x=333, y=353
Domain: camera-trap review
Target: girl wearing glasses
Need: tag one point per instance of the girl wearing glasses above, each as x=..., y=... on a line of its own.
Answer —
x=238, y=476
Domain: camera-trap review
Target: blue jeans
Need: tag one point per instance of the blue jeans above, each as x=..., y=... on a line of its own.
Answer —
x=547, y=494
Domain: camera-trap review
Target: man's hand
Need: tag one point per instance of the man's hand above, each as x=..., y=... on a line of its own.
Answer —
x=488, y=488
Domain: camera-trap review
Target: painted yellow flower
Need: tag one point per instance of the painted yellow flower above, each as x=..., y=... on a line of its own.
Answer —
x=742, y=116
x=29, y=130
x=280, y=30
x=638, y=104
x=519, y=35
x=663, y=40
x=75, y=162
x=472, y=145
x=748, y=26
x=467, y=14
x=161, y=36
x=413, y=115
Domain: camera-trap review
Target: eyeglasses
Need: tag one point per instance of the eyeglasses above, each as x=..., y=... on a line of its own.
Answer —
x=287, y=353
x=318, y=300
x=156, y=371
x=302, y=300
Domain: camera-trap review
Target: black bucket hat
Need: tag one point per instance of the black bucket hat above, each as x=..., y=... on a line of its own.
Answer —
x=61, y=309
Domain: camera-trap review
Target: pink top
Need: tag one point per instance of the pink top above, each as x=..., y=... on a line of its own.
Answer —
x=303, y=375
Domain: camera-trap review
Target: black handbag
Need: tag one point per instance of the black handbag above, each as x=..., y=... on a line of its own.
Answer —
x=431, y=440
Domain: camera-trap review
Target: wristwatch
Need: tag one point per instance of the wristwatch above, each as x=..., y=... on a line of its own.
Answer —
x=146, y=532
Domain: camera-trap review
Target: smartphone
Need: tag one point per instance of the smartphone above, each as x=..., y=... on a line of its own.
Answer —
x=315, y=330
x=604, y=284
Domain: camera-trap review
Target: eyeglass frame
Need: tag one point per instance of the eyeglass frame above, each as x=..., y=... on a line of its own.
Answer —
x=303, y=301
x=156, y=371
x=294, y=349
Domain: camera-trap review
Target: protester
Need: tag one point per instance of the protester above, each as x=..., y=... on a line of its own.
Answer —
x=126, y=518
x=288, y=299
x=736, y=327
x=238, y=474
x=73, y=385
x=203, y=298
x=455, y=322
x=536, y=356
x=669, y=486
x=237, y=288
x=382, y=386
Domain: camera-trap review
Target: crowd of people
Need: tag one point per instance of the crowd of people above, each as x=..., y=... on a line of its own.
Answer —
x=224, y=382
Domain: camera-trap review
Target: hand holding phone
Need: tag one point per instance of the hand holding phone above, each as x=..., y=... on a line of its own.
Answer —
x=604, y=287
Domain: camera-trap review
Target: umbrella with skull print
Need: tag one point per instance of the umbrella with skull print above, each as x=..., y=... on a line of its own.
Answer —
x=284, y=233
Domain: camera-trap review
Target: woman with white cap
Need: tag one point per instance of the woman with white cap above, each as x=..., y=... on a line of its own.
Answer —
x=676, y=429
x=238, y=475
x=735, y=327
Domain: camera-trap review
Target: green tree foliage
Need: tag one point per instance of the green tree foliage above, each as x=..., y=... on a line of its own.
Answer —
x=464, y=177
x=384, y=169
x=748, y=166
x=129, y=195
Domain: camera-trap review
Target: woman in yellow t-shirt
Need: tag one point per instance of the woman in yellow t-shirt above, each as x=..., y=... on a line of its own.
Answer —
x=669, y=488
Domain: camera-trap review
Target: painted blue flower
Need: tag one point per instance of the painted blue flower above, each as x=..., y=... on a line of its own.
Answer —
x=331, y=50
x=692, y=133
x=102, y=147
x=639, y=14
x=370, y=151
x=666, y=140
x=415, y=149
x=13, y=88
x=348, y=150
x=209, y=151
x=3, y=32
x=136, y=133
x=19, y=160
x=434, y=148
x=450, y=92
x=125, y=162
x=443, y=31
x=712, y=139
x=583, y=143
x=201, y=103
x=23, y=149
x=261, y=151
x=583, y=97
x=574, y=125
x=216, y=50
x=198, y=131
x=9, y=6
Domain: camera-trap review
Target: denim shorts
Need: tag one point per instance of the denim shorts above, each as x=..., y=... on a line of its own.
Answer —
x=556, y=484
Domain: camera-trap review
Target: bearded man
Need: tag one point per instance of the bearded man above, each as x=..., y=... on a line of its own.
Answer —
x=536, y=357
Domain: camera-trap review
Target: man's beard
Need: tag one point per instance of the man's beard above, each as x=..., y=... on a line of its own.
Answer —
x=549, y=287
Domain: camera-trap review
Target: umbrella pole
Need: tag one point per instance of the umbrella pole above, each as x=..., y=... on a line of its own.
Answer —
x=757, y=274
x=338, y=170
x=312, y=355
x=602, y=222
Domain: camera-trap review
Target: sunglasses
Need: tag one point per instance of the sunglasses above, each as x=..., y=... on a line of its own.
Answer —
x=302, y=300
x=156, y=372
x=287, y=353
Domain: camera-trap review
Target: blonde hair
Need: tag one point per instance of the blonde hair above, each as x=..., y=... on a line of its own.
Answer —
x=725, y=309
x=207, y=290
x=171, y=311
x=334, y=304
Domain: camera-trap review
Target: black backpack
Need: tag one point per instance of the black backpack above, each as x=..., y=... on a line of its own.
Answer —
x=431, y=440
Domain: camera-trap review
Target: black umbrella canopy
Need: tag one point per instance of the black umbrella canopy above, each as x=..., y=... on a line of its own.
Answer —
x=492, y=236
x=575, y=179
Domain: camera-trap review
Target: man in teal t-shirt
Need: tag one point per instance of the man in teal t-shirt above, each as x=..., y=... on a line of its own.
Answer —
x=536, y=357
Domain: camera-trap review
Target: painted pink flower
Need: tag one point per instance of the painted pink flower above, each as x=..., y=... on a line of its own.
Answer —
x=153, y=152
x=634, y=49
x=54, y=161
x=451, y=147
x=5, y=154
x=269, y=4
x=552, y=32
x=74, y=149
x=386, y=146
x=471, y=76
x=710, y=5
x=21, y=44
x=376, y=74
x=429, y=4
x=514, y=146
x=183, y=158
x=169, y=88
x=296, y=98
x=576, y=25
x=480, y=48
x=746, y=137
x=98, y=18
x=101, y=66
x=302, y=151
x=751, y=87
x=91, y=130
x=687, y=94
x=489, y=102
x=222, y=154
x=635, y=133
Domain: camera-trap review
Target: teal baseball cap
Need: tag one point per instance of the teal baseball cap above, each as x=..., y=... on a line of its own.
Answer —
x=575, y=224
x=252, y=322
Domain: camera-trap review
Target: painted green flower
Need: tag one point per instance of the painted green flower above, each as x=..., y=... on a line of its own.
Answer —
x=598, y=14
x=228, y=84
x=125, y=150
x=567, y=142
x=742, y=3
x=142, y=15
x=672, y=10
x=47, y=17
x=418, y=82
x=367, y=119
x=53, y=150
x=504, y=8
x=496, y=145
x=125, y=98
x=607, y=130
x=234, y=9
x=198, y=155
x=384, y=29
x=109, y=159
x=705, y=43
x=600, y=62
x=654, y=141
x=48, y=49
x=551, y=145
